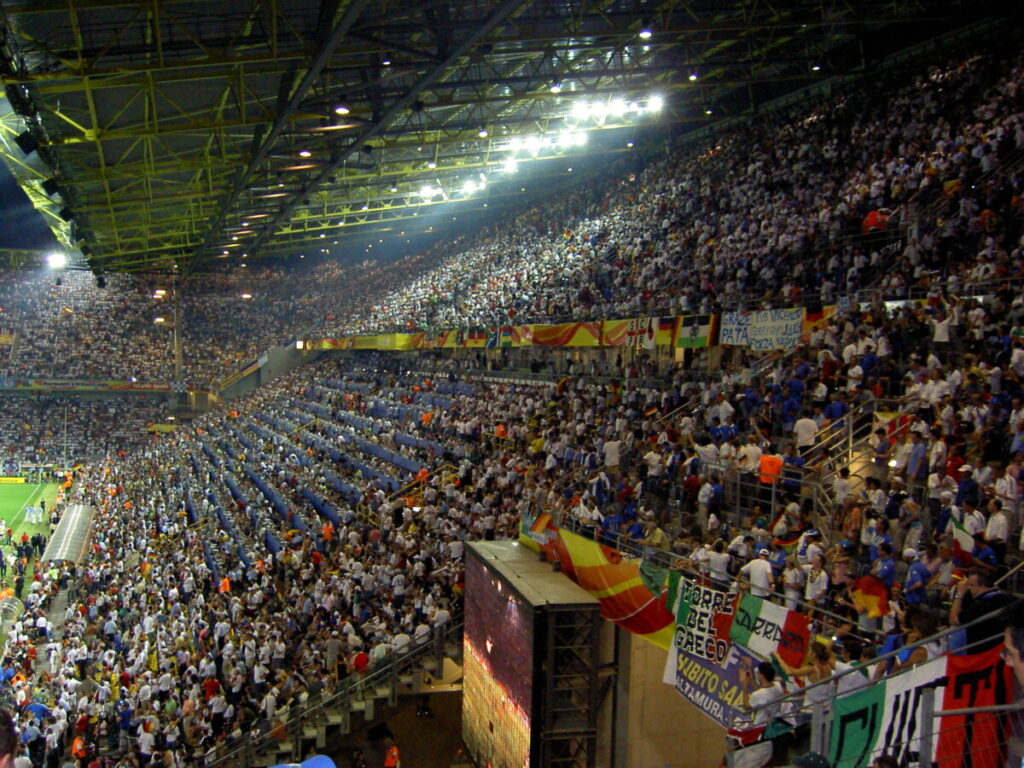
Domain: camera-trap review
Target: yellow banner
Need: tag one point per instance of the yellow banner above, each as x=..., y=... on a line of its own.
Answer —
x=162, y=427
x=11, y=480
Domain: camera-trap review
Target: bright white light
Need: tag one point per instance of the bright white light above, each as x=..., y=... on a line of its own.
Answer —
x=510, y=166
x=305, y=153
x=482, y=133
x=57, y=260
x=515, y=145
x=616, y=107
x=815, y=68
x=428, y=191
x=556, y=87
x=693, y=77
x=431, y=165
x=655, y=103
x=646, y=34
x=159, y=291
x=341, y=109
x=533, y=144
x=469, y=187
x=581, y=110
x=159, y=320
x=246, y=295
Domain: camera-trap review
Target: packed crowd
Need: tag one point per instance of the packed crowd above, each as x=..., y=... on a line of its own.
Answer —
x=275, y=552
x=782, y=210
x=54, y=429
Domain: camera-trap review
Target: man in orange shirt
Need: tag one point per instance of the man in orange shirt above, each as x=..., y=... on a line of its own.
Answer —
x=391, y=757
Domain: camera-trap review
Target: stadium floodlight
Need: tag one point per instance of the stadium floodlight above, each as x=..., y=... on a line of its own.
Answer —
x=556, y=87
x=57, y=260
x=510, y=166
x=616, y=107
x=693, y=76
x=533, y=144
x=581, y=110
x=159, y=320
x=341, y=109
x=655, y=103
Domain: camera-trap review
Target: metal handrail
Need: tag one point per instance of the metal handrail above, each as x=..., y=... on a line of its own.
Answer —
x=252, y=745
x=792, y=695
x=664, y=559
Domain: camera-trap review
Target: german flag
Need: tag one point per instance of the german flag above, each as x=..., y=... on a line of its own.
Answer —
x=871, y=594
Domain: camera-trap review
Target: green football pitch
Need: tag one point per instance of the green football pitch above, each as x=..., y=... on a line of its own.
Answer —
x=13, y=500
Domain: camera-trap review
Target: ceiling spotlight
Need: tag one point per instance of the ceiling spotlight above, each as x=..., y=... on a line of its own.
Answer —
x=431, y=165
x=707, y=111
x=305, y=153
x=646, y=33
x=341, y=109
x=57, y=260
x=482, y=133
x=693, y=76
x=510, y=166
x=394, y=188
x=816, y=68
x=655, y=103
x=386, y=62
x=556, y=87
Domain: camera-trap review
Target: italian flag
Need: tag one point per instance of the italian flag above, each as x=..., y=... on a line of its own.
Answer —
x=764, y=627
x=963, y=542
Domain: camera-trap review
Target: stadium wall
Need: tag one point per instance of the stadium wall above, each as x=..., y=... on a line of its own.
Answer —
x=658, y=721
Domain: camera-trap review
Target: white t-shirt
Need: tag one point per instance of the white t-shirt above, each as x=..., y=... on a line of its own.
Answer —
x=759, y=574
x=805, y=430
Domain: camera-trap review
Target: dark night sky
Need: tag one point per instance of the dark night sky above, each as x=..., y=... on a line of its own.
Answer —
x=21, y=225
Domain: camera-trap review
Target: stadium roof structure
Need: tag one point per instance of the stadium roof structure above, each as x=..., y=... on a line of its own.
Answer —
x=183, y=134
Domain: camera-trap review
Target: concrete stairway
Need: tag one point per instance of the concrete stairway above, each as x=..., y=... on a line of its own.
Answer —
x=314, y=723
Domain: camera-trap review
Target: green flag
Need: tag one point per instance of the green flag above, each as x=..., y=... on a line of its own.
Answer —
x=856, y=722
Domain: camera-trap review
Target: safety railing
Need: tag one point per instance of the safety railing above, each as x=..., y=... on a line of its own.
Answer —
x=744, y=490
x=846, y=439
x=250, y=746
x=662, y=558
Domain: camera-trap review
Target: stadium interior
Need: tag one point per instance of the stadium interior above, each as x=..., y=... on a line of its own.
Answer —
x=511, y=383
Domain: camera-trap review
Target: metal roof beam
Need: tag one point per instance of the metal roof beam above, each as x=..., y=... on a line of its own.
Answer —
x=502, y=12
x=285, y=115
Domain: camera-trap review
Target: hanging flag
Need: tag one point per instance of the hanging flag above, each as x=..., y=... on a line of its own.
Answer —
x=764, y=627
x=694, y=331
x=976, y=740
x=650, y=337
x=884, y=715
x=871, y=594
x=887, y=715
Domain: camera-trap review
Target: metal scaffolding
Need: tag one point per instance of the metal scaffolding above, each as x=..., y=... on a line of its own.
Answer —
x=190, y=134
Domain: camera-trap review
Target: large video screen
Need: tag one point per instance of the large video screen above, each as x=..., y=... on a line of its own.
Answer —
x=497, y=685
